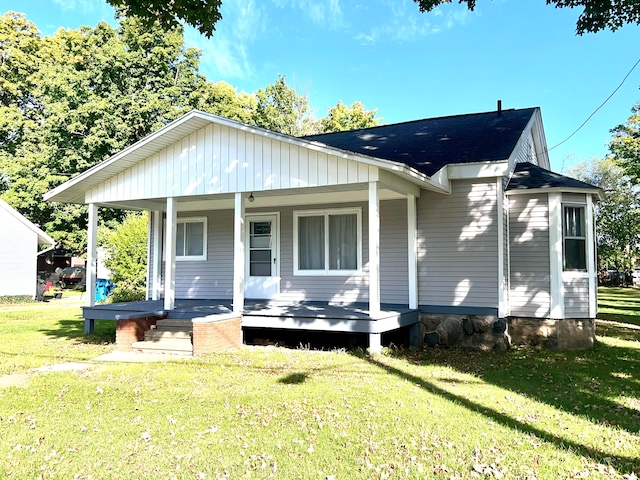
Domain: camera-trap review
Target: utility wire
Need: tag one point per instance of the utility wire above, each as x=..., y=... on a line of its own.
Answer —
x=596, y=110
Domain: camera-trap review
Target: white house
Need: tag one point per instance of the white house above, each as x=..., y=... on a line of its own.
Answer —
x=20, y=241
x=455, y=216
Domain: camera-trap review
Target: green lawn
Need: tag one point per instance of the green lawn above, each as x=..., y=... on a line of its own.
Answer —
x=277, y=413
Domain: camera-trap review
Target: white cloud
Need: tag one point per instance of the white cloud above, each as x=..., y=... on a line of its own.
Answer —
x=405, y=23
x=85, y=6
x=226, y=53
x=322, y=12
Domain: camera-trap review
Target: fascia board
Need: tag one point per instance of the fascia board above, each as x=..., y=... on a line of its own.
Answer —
x=466, y=171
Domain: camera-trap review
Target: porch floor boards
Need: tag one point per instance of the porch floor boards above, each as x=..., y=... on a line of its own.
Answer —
x=273, y=314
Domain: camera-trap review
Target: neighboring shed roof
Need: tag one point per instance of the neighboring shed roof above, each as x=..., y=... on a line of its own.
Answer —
x=43, y=238
x=430, y=144
x=528, y=176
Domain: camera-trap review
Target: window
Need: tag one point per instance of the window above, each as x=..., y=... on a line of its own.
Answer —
x=327, y=242
x=191, y=239
x=575, y=240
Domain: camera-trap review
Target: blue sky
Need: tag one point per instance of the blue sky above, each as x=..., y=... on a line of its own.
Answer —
x=409, y=65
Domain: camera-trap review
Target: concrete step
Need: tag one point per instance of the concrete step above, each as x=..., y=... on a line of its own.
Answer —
x=173, y=347
x=158, y=335
x=172, y=323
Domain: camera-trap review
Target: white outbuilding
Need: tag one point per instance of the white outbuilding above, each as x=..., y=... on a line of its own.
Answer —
x=20, y=242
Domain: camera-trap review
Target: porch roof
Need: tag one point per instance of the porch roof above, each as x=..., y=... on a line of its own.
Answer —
x=74, y=190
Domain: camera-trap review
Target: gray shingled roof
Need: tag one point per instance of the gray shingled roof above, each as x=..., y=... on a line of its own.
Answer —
x=527, y=176
x=430, y=144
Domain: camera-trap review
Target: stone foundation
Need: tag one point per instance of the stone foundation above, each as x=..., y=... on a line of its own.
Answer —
x=567, y=334
x=217, y=333
x=476, y=332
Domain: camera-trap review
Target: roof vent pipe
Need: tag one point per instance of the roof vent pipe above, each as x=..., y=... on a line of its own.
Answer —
x=499, y=108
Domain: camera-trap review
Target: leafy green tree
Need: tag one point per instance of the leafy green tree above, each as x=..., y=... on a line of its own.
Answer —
x=617, y=215
x=342, y=118
x=281, y=109
x=97, y=90
x=625, y=145
x=223, y=99
x=597, y=15
x=126, y=246
x=200, y=14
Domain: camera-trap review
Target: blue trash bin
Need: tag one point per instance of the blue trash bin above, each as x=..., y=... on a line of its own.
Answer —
x=102, y=289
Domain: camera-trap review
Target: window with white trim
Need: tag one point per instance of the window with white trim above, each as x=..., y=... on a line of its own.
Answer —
x=191, y=238
x=575, y=238
x=327, y=242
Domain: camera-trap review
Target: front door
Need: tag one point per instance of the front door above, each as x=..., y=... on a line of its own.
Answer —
x=262, y=279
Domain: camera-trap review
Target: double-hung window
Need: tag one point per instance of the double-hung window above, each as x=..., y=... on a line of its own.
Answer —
x=575, y=239
x=327, y=242
x=191, y=238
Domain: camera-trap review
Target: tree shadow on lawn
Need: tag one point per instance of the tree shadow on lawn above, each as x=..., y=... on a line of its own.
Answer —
x=104, y=332
x=531, y=389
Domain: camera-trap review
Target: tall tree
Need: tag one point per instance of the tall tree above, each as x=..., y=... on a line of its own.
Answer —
x=281, y=109
x=625, y=145
x=342, y=118
x=97, y=90
x=597, y=14
x=200, y=14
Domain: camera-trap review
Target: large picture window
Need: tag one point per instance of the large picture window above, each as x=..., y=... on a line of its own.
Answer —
x=327, y=242
x=575, y=240
x=191, y=239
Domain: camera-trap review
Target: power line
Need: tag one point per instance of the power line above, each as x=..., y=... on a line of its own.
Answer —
x=596, y=110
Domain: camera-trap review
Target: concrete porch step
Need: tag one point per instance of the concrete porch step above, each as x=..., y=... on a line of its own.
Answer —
x=158, y=335
x=174, y=324
x=170, y=347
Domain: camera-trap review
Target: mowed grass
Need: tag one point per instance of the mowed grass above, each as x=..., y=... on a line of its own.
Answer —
x=278, y=413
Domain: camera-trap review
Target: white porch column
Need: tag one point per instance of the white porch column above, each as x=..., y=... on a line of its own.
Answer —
x=170, y=254
x=238, y=254
x=156, y=277
x=412, y=250
x=92, y=255
x=555, y=256
x=591, y=259
x=374, y=249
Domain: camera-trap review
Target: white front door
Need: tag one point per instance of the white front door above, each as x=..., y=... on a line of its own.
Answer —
x=262, y=279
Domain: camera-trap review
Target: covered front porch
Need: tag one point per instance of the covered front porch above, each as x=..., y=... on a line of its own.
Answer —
x=310, y=316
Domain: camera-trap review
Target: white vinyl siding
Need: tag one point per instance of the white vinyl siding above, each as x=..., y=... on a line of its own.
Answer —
x=576, y=297
x=527, y=151
x=458, y=246
x=213, y=278
x=529, y=255
x=219, y=159
x=18, y=262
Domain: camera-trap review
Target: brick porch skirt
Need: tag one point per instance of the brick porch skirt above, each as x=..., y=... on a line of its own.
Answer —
x=217, y=333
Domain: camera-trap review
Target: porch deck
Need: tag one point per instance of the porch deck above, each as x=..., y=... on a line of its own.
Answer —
x=270, y=314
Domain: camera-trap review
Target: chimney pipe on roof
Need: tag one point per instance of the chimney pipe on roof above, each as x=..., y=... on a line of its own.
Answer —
x=499, y=108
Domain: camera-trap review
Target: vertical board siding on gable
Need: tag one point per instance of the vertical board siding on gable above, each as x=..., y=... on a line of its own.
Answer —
x=529, y=254
x=458, y=246
x=18, y=263
x=220, y=159
x=576, y=297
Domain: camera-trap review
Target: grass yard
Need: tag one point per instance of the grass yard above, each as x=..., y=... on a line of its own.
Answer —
x=277, y=413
